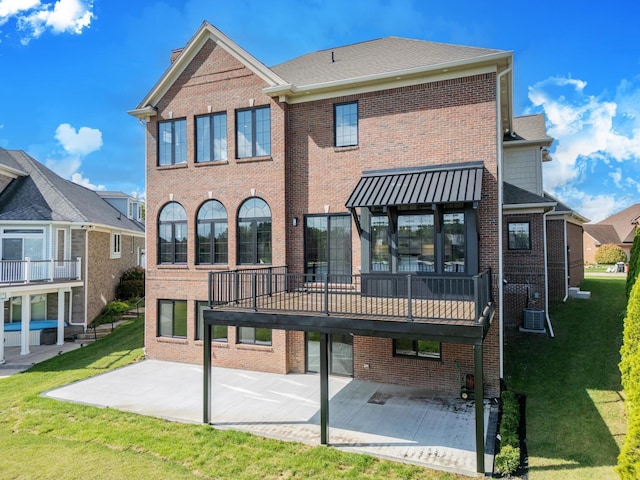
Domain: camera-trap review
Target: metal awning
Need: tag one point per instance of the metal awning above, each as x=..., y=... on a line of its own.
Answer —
x=438, y=184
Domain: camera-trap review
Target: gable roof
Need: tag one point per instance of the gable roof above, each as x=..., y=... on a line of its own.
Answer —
x=206, y=32
x=531, y=127
x=602, y=234
x=42, y=195
x=383, y=56
x=621, y=223
x=376, y=64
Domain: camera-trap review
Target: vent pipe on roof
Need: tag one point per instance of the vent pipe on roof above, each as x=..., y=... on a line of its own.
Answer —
x=333, y=58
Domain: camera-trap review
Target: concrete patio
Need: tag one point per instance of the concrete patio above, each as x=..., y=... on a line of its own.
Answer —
x=398, y=423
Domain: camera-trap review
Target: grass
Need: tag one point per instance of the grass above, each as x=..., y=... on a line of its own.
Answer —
x=575, y=412
x=42, y=438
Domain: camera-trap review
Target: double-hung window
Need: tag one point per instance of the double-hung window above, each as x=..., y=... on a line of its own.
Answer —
x=172, y=142
x=172, y=318
x=116, y=245
x=253, y=132
x=211, y=137
x=213, y=231
x=346, y=124
x=172, y=234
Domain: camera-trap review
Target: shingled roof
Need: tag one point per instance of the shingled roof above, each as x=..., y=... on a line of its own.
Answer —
x=375, y=57
x=42, y=195
x=621, y=224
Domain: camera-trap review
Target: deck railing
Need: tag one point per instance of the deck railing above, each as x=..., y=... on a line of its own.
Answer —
x=408, y=296
x=38, y=271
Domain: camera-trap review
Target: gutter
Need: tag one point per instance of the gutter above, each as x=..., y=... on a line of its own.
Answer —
x=499, y=138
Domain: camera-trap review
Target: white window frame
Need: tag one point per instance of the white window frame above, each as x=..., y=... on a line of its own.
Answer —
x=116, y=245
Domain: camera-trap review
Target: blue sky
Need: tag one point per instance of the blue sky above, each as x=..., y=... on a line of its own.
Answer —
x=71, y=69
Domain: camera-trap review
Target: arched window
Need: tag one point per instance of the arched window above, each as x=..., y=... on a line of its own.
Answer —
x=254, y=232
x=213, y=231
x=172, y=234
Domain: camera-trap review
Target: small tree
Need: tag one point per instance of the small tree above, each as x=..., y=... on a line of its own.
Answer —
x=610, y=254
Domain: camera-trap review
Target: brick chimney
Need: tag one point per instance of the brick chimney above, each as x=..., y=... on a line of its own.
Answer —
x=175, y=53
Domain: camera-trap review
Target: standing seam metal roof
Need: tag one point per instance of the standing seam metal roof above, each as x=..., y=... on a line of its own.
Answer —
x=426, y=185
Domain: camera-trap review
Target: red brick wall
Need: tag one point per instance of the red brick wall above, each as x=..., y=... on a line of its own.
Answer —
x=576, y=254
x=437, y=123
x=523, y=270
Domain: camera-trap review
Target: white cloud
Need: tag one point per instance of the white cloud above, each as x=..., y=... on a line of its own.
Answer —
x=81, y=142
x=76, y=145
x=616, y=176
x=33, y=18
x=80, y=180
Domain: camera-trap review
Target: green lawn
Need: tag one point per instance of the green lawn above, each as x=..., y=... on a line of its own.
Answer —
x=44, y=438
x=575, y=413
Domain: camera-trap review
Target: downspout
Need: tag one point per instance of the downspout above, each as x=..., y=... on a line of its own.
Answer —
x=566, y=264
x=499, y=135
x=546, y=274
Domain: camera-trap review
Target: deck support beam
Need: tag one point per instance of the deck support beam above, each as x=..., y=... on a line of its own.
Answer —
x=324, y=389
x=479, y=399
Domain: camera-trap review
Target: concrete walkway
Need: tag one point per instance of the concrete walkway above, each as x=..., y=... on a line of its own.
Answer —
x=398, y=423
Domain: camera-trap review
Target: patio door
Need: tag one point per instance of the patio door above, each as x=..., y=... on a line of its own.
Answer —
x=340, y=354
x=328, y=247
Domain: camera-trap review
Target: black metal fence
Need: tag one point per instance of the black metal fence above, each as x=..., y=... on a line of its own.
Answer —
x=408, y=296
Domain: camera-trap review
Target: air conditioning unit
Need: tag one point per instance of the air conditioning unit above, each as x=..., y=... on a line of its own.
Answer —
x=532, y=320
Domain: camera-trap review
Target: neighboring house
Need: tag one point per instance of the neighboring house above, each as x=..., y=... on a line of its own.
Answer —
x=62, y=250
x=543, y=237
x=341, y=211
x=618, y=229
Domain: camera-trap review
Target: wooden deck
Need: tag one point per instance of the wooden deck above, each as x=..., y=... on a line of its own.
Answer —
x=354, y=305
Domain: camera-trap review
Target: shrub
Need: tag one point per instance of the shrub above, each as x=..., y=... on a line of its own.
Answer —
x=131, y=284
x=610, y=254
x=629, y=457
x=128, y=289
x=508, y=460
x=115, y=308
x=133, y=273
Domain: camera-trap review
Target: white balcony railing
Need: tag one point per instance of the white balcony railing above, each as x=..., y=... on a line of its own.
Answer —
x=38, y=271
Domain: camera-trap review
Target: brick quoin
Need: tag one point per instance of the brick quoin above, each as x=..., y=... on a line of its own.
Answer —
x=435, y=123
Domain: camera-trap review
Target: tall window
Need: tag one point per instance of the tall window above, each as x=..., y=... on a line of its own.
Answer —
x=253, y=132
x=172, y=234
x=416, y=246
x=219, y=332
x=454, y=250
x=346, y=124
x=254, y=232
x=172, y=318
x=519, y=236
x=328, y=245
x=380, y=244
x=254, y=336
x=211, y=137
x=172, y=142
x=212, y=233
x=116, y=245
x=417, y=349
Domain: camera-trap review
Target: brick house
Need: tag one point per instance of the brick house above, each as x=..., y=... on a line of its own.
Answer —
x=543, y=254
x=617, y=229
x=62, y=249
x=341, y=211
